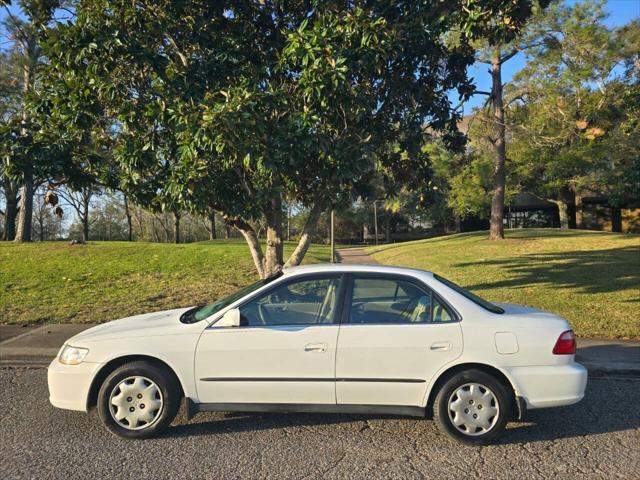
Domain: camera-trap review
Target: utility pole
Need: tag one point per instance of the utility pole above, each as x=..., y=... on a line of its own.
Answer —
x=333, y=244
x=375, y=221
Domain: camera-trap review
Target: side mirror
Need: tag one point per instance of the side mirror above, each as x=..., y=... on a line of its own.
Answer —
x=230, y=319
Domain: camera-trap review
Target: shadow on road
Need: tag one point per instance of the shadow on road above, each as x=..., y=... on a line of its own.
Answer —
x=592, y=416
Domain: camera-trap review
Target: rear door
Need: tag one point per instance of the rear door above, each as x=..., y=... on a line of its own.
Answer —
x=283, y=352
x=395, y=335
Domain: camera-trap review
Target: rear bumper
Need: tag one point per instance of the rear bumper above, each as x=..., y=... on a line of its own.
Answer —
x=549, y=386
x=69, y=384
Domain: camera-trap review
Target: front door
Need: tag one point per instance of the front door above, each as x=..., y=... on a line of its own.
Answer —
x=396, y=335
x=283, y=352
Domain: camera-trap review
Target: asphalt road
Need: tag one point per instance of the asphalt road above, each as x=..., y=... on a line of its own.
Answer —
x=598, y=438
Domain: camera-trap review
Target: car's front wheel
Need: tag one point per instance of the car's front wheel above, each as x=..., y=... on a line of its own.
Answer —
x=472, y=407
x=138, y=400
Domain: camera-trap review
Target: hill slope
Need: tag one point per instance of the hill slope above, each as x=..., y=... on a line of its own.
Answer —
x=590, y=278
x=101, y=281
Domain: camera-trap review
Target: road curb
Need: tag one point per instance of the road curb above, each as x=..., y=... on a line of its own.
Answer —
x=610, y=372
x=23, y=335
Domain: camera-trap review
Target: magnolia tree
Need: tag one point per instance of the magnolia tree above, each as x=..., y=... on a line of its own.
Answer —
x=234, y=106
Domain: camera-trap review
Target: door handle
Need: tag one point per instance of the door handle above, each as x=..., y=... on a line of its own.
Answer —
x=315, y=347
x=440, y=346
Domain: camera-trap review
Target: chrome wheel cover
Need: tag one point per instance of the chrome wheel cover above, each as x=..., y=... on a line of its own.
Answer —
x=136, y=403
x=473, y=409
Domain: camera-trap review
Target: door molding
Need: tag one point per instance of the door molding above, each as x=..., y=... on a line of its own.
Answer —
x=306, y=379
x=193, y=408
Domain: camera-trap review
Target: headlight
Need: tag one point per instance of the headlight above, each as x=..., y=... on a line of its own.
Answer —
x=72, y=355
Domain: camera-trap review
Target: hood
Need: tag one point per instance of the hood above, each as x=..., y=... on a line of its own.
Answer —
x=158, y=323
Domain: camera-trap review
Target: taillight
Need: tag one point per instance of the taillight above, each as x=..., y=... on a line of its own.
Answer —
x=566, y=344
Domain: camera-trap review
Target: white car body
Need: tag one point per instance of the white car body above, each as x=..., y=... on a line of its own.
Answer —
x=394, y=366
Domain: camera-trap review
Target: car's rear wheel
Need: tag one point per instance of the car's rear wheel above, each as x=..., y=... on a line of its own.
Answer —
x=138, y=400
x=472, y=407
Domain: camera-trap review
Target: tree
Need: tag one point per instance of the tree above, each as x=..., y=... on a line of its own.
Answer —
x=46, y=225
x=575, y=124
x=496, y=54
x=10, y=212
x=80, y=201
x=17, y=146
x=240, y=105
x=10, y=94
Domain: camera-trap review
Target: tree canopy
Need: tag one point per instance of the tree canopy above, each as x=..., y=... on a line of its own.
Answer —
x=575, y=119
x=235, y=106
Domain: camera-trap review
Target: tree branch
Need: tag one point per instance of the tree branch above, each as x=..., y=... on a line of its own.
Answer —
x=173, y=43
x=307, y=232
x=252, y=240
x=243, y=182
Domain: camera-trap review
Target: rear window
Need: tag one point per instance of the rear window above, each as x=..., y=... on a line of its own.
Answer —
x=471, y=296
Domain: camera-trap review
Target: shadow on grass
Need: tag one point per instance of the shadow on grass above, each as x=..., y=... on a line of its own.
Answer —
x=594, y=271
x=603, y=410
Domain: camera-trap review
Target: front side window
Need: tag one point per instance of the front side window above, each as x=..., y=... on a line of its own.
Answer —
x=391, y=301
x=205, y=311
x=298, y=302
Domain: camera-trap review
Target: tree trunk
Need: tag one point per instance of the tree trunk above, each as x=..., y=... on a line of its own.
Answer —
x=305, y=238
x=41, y=225
x=496, y=231
x=25, y=215
x=563, y=213
x=457, y=221
x=176, y=227
x=212, y=225
x=387, y=228
x=274, y=252
x=579, y=216
x=616, y=219
x=127, y=213
x=85, y=227
x=85, y=216
x=251, y=237
x=11, y=210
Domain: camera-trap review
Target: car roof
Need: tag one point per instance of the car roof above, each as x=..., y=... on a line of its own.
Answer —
x=350, y=267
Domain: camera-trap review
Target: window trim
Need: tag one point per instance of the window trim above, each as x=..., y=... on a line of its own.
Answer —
x=472, y=297
x=286, y=280
x=348, y=298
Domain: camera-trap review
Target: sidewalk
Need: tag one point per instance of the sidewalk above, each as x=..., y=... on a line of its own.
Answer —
x=355, y=256
x=37, y=346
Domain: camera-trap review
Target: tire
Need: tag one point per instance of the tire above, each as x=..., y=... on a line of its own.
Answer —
x=472, y=393
x=138, y=400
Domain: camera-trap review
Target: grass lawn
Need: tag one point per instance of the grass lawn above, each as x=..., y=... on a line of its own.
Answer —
x=101, y=281
x=590, y=278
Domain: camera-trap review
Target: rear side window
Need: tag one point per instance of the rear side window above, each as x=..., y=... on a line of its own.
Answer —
x=470, y=296
x=394, y=301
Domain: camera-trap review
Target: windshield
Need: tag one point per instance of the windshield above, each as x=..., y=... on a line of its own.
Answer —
x=471, y=296
x=200, y=313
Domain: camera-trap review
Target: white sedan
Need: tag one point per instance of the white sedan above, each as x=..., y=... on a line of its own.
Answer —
x=326, y=338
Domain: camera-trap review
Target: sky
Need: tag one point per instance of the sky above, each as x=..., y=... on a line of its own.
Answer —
x=620, y=12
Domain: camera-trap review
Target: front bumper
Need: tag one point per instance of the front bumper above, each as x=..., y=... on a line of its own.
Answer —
x=69, y=384
x=549, y=386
